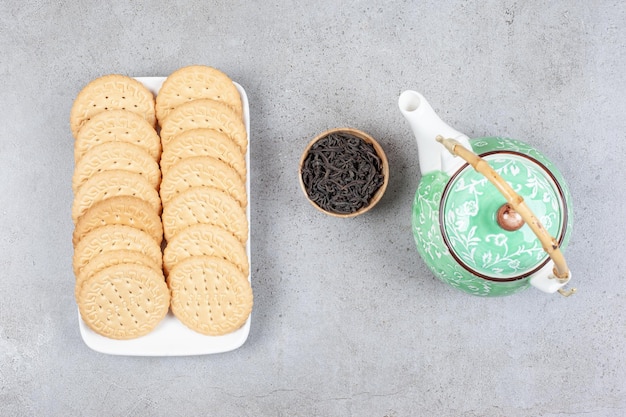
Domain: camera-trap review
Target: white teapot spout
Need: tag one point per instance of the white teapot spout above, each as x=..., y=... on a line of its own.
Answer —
x=426, y=126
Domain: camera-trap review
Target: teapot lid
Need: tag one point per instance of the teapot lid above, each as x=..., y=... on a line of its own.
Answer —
x=481, y=231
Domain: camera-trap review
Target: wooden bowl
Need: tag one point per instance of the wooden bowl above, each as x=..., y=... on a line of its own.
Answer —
x=384, y=168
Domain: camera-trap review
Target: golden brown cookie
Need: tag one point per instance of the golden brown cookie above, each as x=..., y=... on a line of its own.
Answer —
x=114, y=237
x=105, y=259
x=116, y=155
x=198, y=171
x=205, y=239
x=204, y=142
x=124, y=301
x=113, y=183
x=210, y=295
x=196, y=82
x=117, y=126
x=111, y=92
x=123, y=210
x=204, y=113
x=208, y=206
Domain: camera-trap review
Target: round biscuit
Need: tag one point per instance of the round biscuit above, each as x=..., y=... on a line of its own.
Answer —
x=195, y=82
x=198, y=171
x=210, y=295
x=204, y=142
x=105, y=259
x=114, y=237
x=204, y=205
x=122, y=210
x=205, y=239
x=117, y=126
x=204, y=113
x=107, y=184
x=116, y=155
x=124, y=301
x=111, y=92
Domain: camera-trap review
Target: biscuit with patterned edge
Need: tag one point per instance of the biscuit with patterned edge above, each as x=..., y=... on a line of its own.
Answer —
x=198, y=171
x=204, y=142
x=204, y=205
x=117, y=126
x=205, y=239
x=116, y=155
x=210, y=295
x=196, y=82
x=204, y=113
x=114, y=237
x=111, y=92
x=105, y=259
x=107, y=184
x=124, y=301
x=123, y=210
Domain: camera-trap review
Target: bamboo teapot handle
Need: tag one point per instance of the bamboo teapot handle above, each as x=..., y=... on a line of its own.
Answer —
x=550, y=245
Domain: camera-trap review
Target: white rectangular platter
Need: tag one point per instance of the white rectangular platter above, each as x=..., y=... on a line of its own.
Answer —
x=171, y=337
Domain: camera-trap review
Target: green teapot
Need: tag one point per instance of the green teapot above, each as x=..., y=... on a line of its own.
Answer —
x=491, y=216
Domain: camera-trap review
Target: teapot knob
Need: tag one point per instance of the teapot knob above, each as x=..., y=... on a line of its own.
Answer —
x=508, y=218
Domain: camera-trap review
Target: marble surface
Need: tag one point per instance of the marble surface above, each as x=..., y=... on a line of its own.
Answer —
x=348, y=321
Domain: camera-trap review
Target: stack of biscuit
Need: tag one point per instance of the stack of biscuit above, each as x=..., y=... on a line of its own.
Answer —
x=125, y=174
x=120, y=288
x=203, y=192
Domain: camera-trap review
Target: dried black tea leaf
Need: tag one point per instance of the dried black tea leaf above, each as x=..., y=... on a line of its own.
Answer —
x=341, y=173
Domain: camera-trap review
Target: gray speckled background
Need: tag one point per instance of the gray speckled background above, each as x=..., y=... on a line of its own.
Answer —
x=348, y=321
